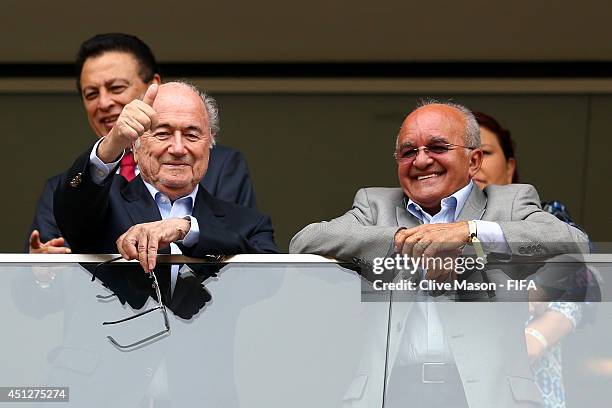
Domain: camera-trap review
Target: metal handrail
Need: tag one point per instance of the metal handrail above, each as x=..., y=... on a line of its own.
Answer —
x=164, y=259
x=243, y=258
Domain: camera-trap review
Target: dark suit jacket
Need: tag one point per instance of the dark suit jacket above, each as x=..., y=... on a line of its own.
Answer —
x=227, y=178
x=92, y=216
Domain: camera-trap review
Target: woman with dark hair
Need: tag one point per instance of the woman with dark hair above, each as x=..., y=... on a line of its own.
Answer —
x=499, y=164
x=549, y=322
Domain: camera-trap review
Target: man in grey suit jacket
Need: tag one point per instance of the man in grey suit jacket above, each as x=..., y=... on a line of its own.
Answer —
x=438, y=210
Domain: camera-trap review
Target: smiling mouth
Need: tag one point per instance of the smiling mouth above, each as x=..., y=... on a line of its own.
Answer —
x=109, y=121
x=427, y=176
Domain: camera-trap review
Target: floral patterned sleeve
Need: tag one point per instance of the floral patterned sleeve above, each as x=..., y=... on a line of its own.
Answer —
x=571, y=310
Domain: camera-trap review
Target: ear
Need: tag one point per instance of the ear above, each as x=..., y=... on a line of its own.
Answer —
x=475, y=161
x=156, y=80
x=510, y=169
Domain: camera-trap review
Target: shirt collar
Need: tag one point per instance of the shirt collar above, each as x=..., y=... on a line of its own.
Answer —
x=157, y=195
x=456, y=200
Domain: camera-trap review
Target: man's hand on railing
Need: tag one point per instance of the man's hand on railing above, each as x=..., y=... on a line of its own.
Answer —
x=142, y=241
x=53, y=246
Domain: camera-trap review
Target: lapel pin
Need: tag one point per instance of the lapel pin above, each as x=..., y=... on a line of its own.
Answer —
x=76, y=180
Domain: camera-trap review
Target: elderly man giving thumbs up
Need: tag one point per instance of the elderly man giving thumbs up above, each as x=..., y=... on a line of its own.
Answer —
x=170, y=134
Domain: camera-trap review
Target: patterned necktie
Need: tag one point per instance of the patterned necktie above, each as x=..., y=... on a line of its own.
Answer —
x=128, y=166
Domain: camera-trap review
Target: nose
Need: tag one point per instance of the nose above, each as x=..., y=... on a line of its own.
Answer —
x=105, y=100
x=177, y=147
x=422, y=159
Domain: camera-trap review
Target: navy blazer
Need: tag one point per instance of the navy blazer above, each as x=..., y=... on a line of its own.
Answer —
x=91, y=216
x=226, y=178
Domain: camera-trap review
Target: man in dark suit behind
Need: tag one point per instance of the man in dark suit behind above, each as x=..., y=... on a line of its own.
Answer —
x=115, y=69
x=171, y=133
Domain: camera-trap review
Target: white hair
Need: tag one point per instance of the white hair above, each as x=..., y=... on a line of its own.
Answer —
x=212, y=109
x=210, y=104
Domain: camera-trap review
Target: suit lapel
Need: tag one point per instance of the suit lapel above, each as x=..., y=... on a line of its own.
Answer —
x=472, y=210
x=404, y=218
x=138, y=202
x=474, y=207
x=401, y=306
x=142, y=208
x=206, y=209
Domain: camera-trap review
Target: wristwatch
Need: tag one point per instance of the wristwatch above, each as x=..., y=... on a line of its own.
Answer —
x=476, y=243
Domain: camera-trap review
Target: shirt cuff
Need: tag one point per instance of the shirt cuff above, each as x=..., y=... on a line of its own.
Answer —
x=98, y=169
x=492, y=237
x=193, y=236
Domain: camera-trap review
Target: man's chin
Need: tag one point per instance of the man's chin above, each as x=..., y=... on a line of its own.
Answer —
x=174, y=189
x=174, y=183
x=426, y=197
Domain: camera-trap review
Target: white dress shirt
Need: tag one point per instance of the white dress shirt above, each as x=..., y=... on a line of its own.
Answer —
x=424, y=332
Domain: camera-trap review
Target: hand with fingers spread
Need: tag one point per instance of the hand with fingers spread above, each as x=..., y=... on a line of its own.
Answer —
x=136, y=118
x=432, y=240
x=53, y=246
x=142, y=241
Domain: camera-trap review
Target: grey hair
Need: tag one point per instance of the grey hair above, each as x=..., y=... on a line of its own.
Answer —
x=471, y=137
x=211, y=106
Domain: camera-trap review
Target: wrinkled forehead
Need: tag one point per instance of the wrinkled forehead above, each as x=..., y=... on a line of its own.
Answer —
x=177, y=101
x=432, y=123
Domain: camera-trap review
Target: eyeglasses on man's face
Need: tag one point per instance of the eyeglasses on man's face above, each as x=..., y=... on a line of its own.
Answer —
x=407, y=154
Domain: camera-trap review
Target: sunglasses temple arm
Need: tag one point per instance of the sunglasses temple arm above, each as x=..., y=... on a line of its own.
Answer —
x=138, y=343
x=134, y=316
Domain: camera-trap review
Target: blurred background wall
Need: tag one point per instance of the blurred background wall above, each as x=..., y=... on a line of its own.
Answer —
x=313, y=92
x=309, y=153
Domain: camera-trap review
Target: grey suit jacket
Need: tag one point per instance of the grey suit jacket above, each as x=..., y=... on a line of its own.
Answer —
x=486, y=339
x=367, y=230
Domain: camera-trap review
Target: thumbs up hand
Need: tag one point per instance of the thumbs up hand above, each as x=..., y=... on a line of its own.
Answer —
x=149, y=96
x=135, y=119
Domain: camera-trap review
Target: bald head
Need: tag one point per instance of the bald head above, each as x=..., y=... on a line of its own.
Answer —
x=458, y=113
x=175, y=99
